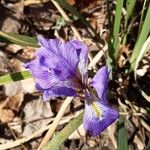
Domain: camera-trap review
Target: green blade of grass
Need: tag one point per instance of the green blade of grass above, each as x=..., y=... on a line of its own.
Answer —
x=116, y=27
x=113, y=40
x=60, y=137
x=141, y=39
x=129, y=9
x=122, y=139
x=14, y=77
x=142, y=15
x=18, y=39
x=144, y=49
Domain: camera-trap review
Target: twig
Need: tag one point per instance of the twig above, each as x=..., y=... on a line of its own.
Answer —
x=15, y=137
x=145, y=125
x=31, y=2
x=98, y=57
x=134, y=113
x=18, y=142
x=55, y=122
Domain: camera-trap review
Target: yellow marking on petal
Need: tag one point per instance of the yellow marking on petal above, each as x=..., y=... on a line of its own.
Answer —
x=96, y=110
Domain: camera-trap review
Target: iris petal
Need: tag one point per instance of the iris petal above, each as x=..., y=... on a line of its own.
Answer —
x=42, y=74
x=59, y=55
x=98, y=116
x=100, y=83
x=82, y=52
x=58, y=91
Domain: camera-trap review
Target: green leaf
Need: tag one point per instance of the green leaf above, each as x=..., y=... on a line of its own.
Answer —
x=145, y=48
x=141, y=39
x=18, y=39
x=14, y=77
x=129, y=7
x=60, y=137
x=113, y=40
x=144, y=9
x=122, y=139
x=116, y=27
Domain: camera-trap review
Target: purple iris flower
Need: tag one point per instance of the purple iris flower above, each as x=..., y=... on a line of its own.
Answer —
x=60, y=69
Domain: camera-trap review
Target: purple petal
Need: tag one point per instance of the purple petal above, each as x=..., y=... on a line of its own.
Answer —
x=82, y=52
x=36, y=68
x=93, y=123
x=55, y=62
x=43, y=42
x=42, y=74
x=52, y=83
x=100, y=83
x=59, y=55
x=58, y=91
x=59, y=67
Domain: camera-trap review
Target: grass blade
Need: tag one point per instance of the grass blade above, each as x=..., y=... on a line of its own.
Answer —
x=129, y=9
x=116, y=27
x=145, y=48
x=14, y=77
x=141, y=39
x=18, y=39
x=130, y=6
x=113, y=40
x=142, y=15
x=122, y=139
x=60, y=137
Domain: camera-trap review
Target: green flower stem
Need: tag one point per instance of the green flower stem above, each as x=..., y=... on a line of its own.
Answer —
x=141, y=39
x=122, y=138
x=116, y=28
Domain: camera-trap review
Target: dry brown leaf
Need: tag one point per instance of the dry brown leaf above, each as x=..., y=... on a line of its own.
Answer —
x=111, y=134
x=16, y=101
x=38, y=113
x=28, y=85
x=4, y=63
x=71, y=2
x=139, y=143
x=6, y=115
x=11, y=15
x=28, y=53
x=13, y=48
